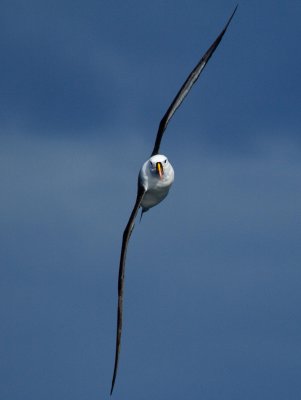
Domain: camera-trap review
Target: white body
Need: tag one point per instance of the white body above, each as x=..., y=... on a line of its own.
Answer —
x=156, y=187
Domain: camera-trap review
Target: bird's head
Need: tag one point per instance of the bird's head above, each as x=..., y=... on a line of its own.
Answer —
x=158, y=165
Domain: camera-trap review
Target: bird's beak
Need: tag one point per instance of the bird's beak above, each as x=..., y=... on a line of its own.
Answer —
x=159, y=168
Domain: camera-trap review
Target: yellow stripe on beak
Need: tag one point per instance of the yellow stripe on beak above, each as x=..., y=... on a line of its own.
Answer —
x=160, y=169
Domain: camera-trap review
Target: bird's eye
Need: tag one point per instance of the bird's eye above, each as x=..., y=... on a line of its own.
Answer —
x=165, y=161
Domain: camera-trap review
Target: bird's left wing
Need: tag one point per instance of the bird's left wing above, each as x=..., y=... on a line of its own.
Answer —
x=187, y=85
x=125, y=240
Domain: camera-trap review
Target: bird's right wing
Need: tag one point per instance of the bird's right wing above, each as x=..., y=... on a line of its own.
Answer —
x=125, y=240
x=192, y=78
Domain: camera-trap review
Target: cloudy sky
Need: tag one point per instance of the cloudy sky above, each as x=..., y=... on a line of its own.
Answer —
x=212, y=294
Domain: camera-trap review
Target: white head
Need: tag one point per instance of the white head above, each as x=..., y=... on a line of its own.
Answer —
x=159, y=165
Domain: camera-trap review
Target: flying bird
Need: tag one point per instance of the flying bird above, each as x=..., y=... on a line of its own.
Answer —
x=155, y=179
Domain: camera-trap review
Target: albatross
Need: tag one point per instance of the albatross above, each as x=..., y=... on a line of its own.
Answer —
x=154, y=181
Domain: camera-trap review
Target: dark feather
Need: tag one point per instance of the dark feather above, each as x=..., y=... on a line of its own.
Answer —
x=192, y=78
x=125, y=240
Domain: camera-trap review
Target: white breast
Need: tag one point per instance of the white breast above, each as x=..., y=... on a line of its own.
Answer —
x=156, y=188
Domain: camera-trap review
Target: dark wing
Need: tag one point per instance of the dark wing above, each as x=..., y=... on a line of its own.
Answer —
x=192, y=78
x=125, y=240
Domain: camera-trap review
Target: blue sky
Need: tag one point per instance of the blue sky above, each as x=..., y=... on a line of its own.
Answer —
x=212, y=292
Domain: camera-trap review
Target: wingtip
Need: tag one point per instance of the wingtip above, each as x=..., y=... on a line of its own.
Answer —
x=112, y=386
x=114, y=374
x=230, y=19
